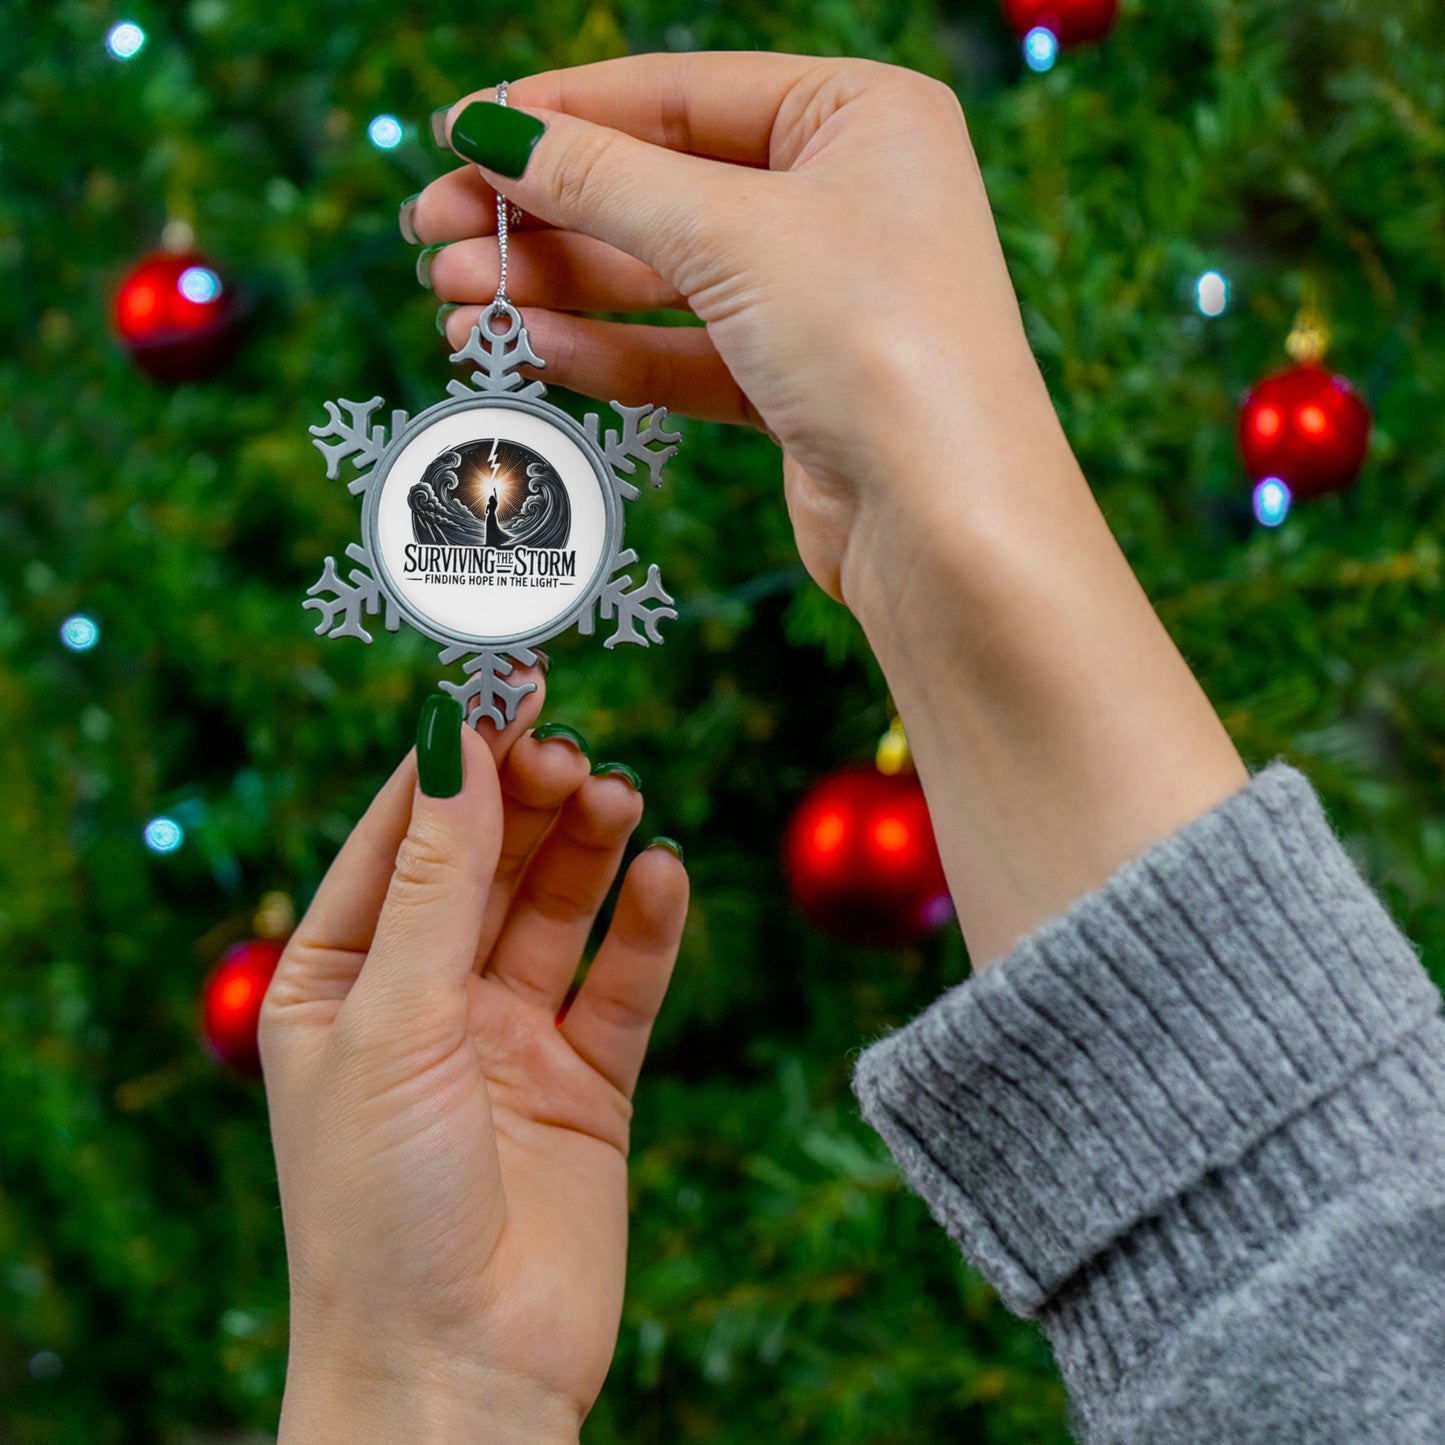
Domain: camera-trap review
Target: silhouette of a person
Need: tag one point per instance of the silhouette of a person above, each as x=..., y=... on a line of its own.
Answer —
x=496, y=537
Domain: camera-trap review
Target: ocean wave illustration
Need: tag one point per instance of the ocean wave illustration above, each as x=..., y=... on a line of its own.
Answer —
x=438, y=514
x=545, y=518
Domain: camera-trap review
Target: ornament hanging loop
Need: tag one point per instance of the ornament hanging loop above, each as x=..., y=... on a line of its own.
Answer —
x=501, y=309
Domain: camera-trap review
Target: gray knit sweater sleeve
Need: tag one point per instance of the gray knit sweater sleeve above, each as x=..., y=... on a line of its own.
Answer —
x=1195, y=1126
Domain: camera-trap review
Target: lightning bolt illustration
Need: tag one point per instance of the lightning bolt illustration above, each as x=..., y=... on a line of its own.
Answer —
x=496, y=465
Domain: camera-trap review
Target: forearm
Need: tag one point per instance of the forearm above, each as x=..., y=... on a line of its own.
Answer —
x=1057, y=730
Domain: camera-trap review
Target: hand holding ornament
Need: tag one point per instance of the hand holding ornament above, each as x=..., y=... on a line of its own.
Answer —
x=451, y=1147
x=826, y=220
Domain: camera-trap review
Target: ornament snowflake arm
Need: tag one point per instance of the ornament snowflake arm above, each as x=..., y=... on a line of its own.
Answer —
x=643, y=438
x=437, y=496
x=630, y=605
x=360, y=441
x=498, y=364
x=350, y=600
x=486, y=693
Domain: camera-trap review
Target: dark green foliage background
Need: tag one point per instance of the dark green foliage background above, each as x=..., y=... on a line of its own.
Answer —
x=783, y=1285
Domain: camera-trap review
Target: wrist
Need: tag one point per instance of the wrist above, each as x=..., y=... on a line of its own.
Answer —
x=411, y=1398
x=1057, y=730
x=952, y=478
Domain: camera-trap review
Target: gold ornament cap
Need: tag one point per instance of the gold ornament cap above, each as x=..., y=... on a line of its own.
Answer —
x=894, y=755
x=1310, y=339
x=275, y=916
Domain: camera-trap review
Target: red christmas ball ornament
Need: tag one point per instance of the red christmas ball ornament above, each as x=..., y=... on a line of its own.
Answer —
x=861, y=860
x=1307, y=427
x=231, y=1003
x=1071, y=22
x=176, y=318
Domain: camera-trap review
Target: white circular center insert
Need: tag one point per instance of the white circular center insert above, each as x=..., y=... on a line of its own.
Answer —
x=491, y=523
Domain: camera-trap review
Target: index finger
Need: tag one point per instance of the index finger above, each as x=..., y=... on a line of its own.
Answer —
x=751, y=109
x=724, y=105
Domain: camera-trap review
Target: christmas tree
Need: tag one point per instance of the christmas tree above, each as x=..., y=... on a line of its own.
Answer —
x=178, y=744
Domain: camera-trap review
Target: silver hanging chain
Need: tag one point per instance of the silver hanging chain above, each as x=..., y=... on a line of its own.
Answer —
x=501, y=299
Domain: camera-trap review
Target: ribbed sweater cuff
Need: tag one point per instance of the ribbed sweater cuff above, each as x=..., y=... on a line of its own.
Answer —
x=1214, y=988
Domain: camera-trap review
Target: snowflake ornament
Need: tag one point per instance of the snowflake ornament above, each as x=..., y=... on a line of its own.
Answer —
x=492, y=521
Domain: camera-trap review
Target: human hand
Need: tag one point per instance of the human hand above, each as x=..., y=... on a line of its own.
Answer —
x=827, y=221
x=452, y=1157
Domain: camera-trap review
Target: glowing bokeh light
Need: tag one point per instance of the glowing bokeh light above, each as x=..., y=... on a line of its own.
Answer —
x=126, y=40
x=235, y=993
x=1041, y=48
x=80, y=633
x=1267, y=422
x=1271, y=502
x=164, y=835
x=1312, y=420
x=829, y=832
x=1211, y=294
x=139, y=303
x=385, y=132
x=199, y=284
x=890, y=834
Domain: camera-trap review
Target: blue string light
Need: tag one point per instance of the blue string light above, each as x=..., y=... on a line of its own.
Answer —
x=126, y=40
x=1271, y=502
x=1041, y=48
x=385, y=132
x=199, y=284
x=164, y=835
x=80, y=633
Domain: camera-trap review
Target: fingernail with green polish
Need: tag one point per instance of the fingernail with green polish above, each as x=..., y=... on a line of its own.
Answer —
x=404, y=219
x=439, y=125
x=618, y=770
x=561, y=730
x=496, y=136
x=671, y=844
x=443, y=312
x=423, y=263
x=439, y=747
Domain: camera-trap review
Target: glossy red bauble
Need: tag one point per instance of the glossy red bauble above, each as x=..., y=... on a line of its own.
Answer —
x=231, y=1003
x=1307, y=427
x=176, y=317
x=861, y=860
x=1073, y=22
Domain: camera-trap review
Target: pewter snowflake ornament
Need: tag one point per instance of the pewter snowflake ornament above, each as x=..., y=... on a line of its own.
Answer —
x=492, y=521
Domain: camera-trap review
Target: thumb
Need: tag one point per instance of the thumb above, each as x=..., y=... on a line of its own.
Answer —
x=653, y=203
x=426, y=934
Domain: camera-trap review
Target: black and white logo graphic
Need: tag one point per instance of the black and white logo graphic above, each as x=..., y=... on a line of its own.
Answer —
x=492, y=494
x=492, y=523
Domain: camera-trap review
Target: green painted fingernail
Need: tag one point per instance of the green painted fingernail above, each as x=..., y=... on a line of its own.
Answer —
x=443, y=312
x=671, y=844
x=404, y=219
x=617, y=770
x=439, y=747
x=439, y=125
x=496, y=136
x=423, y=263
x=561, y=730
